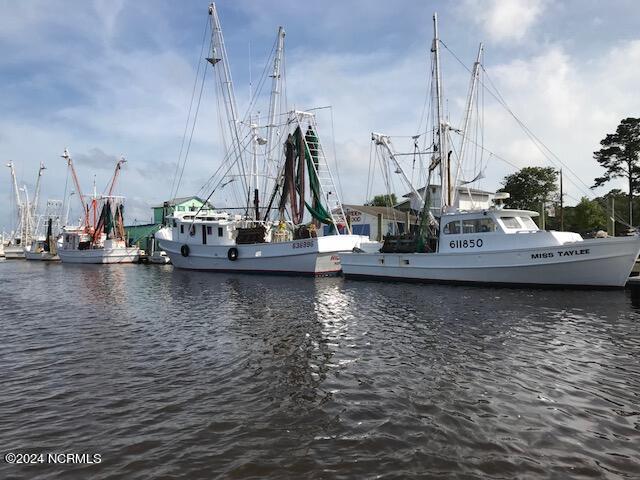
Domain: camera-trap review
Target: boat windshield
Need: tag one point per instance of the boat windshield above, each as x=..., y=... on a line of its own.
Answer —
x=511, y=223
x=478, y=225
x=528, y=223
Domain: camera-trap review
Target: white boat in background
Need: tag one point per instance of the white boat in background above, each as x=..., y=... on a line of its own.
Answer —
x=103, y=251
x=23, y=233
x=272, y=234
x=494, y=246
x=101, y=237
x=45, y=250
x=14, y=252
x=159, y=257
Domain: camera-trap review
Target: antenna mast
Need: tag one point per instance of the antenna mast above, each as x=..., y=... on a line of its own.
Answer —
x=473, y=88
x=85, y=209
x=34, y=206
x=276, y=90
x=445, y=170
x=219, y=55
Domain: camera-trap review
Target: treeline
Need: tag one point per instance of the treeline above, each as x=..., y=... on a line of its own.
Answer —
x=537, y=188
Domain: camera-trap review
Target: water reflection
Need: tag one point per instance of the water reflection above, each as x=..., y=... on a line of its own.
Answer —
x=172, y=373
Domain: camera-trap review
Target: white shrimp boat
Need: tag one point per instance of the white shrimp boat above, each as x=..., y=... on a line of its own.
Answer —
x=101, y=238
x=23, y=233
x=214, y=246
x=504, y=247
x=491, y=246
x=14, y=252
x=265, y=239
x=107, y=251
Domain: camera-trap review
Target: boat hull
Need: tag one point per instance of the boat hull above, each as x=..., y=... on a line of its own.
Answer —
x=41, y=256
x=100, y=255
x=591, y=263
x=159, y=259
x=14, y=252
x=311, y=256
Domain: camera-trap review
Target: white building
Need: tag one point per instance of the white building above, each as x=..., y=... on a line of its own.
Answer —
x=467, y=199
x=376, y=222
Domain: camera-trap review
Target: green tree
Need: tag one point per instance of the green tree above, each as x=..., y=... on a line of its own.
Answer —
x=586, y=216
x=619, y=156
x=384, y=200
x=530, y=187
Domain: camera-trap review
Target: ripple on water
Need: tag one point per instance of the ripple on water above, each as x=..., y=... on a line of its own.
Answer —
x=188, y=375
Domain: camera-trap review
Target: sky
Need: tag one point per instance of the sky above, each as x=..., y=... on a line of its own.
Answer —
x=109, y=78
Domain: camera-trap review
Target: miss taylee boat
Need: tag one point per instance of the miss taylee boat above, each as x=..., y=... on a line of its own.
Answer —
x=101, y=238
x=488, y=246
x=271, y=234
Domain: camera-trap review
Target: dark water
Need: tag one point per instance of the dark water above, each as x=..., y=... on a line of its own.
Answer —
x=171, y=374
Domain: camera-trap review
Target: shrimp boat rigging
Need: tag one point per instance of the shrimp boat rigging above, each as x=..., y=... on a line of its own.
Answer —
x=101, y=237
x=485, y=246
x=270, y=236
x=23, y=233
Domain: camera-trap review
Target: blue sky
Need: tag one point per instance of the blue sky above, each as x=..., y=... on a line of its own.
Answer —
x=110, y=78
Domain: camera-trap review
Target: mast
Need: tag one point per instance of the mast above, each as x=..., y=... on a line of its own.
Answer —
x=467, y=117
x=219, y=55
x=445, y=173
x=114, y=179
x=19, y=207
x=26, y=219
x=34, y=206
x=385, y=142
x=15, y=184
x=276, y=89
x=85, y=210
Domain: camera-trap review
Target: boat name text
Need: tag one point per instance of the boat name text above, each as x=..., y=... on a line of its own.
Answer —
x=560, y=253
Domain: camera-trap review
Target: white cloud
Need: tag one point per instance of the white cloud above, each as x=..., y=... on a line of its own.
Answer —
x=504, y=20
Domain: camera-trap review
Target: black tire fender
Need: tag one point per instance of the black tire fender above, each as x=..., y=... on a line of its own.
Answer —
x=184, y=250
x=232, y=254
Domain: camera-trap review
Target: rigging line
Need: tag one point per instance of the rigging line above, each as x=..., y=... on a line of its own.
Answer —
x=193, y=92
x=369, y=179
x=262, y=79
x=222, y=164
x=335, y=156
x=193, y=127
x=535, y=140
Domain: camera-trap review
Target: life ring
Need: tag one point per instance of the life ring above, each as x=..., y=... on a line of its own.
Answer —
x=184, y=250
x=232, y=254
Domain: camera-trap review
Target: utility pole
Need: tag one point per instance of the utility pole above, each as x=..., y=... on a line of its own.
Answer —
x=561, y=204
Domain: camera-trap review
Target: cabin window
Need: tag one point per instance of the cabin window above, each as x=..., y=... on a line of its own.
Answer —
x=510, y=222
x=478, y=225
x=180, y=208
x=528, y=223
x=452, y=228
x=181, y=228
x=175, y=224
x=208, y=230
x=219, y=231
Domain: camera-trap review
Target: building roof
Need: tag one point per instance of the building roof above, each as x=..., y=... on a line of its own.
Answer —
x=180, y=200
x=461, y=188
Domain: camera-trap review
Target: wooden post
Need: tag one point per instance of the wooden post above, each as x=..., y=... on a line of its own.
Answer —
x=561, y=204
x=379, y=236
x=407, y=222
